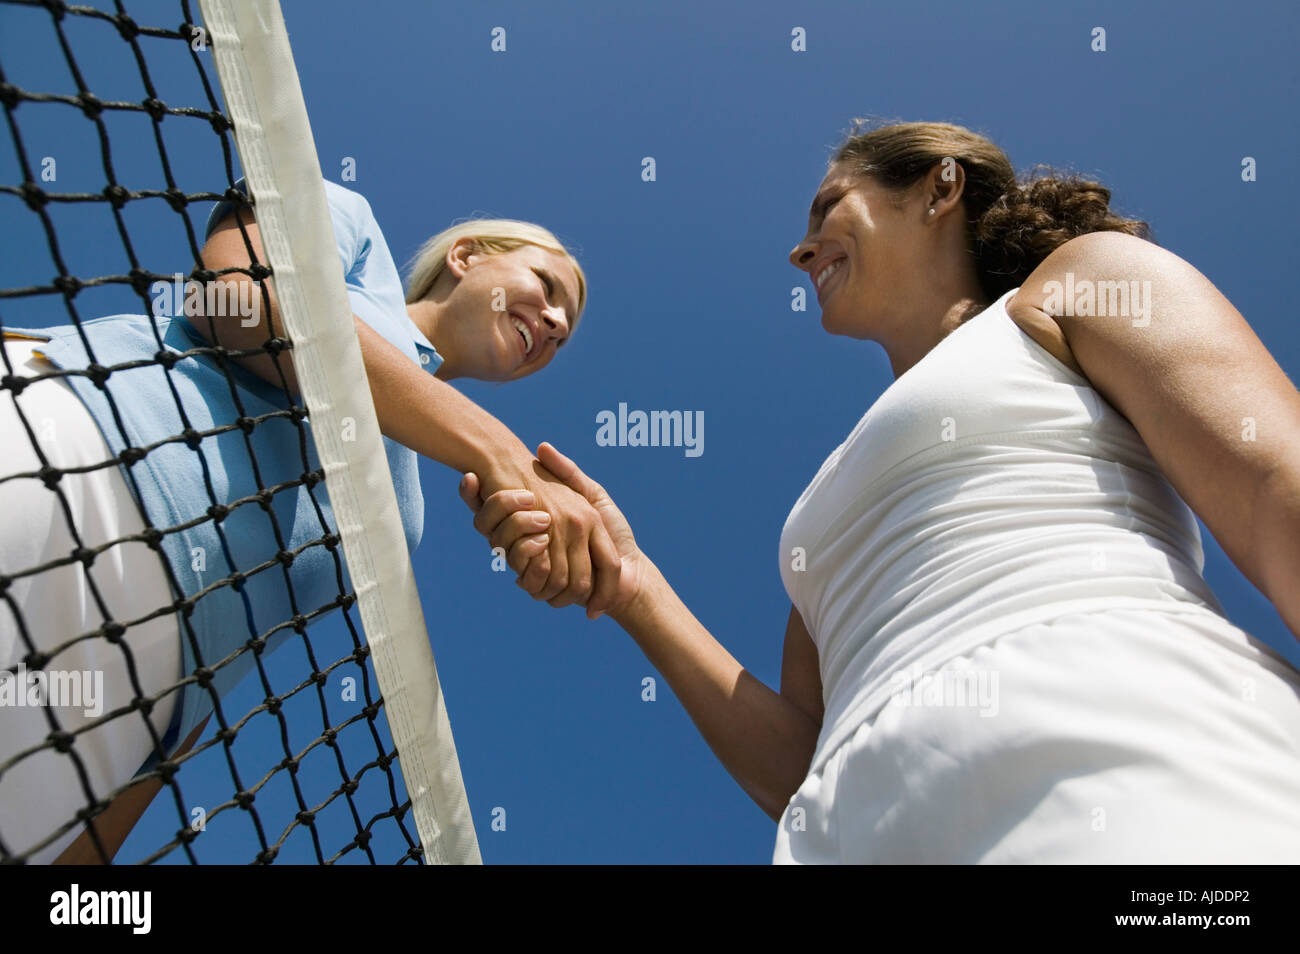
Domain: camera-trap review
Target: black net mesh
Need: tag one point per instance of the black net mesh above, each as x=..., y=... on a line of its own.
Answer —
x=296, y=762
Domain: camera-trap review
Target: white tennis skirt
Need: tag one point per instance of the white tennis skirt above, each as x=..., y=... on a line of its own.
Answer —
x=43, y=790
x=1120, y=737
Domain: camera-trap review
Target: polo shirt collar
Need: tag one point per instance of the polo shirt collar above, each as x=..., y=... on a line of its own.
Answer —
x=430, y=360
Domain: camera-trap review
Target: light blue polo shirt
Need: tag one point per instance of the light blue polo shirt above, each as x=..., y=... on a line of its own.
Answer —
x=177, y=484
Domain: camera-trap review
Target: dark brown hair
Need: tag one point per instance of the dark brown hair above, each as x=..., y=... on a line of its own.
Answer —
x=1014, y=223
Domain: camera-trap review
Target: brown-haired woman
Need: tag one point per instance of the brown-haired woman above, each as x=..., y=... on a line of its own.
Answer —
x=1002, y=648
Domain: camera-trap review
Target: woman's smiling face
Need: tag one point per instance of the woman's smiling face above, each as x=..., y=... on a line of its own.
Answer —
x=509, y=312
x=860, y=251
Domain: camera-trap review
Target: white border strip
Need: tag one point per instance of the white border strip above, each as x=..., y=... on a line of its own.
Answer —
x=264, y=100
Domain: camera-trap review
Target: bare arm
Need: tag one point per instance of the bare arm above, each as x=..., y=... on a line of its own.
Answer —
x=765, y=739
x=430, y=417
x=1218, y=414
x=411, y=404
x=116, y=822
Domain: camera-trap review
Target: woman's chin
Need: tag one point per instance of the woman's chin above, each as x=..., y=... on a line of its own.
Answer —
x=836, y=324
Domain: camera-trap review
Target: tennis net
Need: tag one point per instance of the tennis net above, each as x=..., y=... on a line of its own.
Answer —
x=327, y=738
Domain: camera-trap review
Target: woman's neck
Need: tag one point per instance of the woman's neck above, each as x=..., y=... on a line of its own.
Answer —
x=929, y=321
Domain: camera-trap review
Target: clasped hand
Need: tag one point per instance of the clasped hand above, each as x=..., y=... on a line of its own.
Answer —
x=563, y=554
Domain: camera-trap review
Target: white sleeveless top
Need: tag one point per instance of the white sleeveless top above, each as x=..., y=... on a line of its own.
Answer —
x=989, y=488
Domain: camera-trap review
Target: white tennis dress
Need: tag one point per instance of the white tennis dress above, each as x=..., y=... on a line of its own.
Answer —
x=1020, y=659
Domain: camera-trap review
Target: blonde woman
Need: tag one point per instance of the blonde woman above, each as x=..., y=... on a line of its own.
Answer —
x=488, y=299
x=1002, y=648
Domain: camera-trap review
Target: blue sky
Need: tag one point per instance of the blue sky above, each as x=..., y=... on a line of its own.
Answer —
x=689, y=304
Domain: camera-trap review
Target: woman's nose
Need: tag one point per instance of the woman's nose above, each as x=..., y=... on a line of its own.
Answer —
x=803, y=254
x=557, y=322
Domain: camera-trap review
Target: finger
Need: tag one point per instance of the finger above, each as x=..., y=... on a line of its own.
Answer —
x=469, y=488
x=579, y=588
x=607, y=568
x=525, y=549
x=522, y=524
x=568, y=471
x=535, y=577
x=501, y=505
x=559, y=578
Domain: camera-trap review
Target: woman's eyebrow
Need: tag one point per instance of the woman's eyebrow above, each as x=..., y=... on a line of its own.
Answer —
x=816, y=203
x=819, y=201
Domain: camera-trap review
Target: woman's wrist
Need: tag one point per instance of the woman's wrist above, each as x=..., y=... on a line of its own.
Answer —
x=650, y=592
x=503, y=463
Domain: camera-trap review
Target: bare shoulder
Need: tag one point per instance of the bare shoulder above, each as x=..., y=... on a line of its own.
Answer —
x=1098, y=261
x=1108, y=258
x=1172, y=354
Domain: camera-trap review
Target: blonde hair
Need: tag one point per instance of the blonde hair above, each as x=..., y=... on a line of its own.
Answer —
x=492, y=236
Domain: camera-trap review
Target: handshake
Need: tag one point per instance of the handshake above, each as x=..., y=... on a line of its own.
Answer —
x=561, y=533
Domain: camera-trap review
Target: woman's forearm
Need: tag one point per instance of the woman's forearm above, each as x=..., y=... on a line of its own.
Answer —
x=761, y=738
x=431, y=417
x=414, y=408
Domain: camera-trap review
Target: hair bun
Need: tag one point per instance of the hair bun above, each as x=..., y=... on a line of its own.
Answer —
x=1035, y=217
